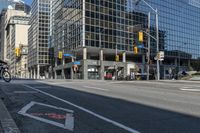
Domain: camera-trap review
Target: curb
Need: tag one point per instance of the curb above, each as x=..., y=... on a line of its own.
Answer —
x=7, y=123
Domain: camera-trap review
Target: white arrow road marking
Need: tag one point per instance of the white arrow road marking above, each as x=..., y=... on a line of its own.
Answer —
x=69, y=120
x=88, y=111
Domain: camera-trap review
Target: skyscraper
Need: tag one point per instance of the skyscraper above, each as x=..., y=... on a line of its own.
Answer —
x=38, y=37
x=14, y=30
x=94, y=33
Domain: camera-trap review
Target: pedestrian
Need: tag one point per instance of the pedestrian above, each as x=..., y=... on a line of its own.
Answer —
x=132, y=76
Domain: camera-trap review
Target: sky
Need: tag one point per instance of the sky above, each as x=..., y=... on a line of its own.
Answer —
x=28, y=1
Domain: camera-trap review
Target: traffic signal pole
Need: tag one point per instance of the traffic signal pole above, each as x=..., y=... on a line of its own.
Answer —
x=149, y=45
x=157, y=44
x=157, y=34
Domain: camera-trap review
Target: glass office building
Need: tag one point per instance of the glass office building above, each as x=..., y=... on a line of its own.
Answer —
x=95, y=31
x=38, y=37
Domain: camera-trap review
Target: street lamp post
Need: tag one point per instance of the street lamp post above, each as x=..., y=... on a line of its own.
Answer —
x=157, y=34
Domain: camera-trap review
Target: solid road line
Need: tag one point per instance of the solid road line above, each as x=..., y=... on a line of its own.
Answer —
x=96, y=88
x=86, y=110
x=190, y=88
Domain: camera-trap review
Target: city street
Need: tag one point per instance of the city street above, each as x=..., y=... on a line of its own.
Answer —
x=65, y=106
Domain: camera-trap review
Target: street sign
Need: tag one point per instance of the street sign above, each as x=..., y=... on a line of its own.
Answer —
x=67, y=55
x=140, y=46
x=77, y=63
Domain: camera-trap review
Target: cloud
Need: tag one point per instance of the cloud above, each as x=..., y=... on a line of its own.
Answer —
x=18, y=1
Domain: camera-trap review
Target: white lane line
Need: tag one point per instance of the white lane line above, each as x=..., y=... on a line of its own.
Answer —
x=96, y=88
x=25, y=92
x=190, y=89
x=42, y=87
x=88, y=111
x=138, y=82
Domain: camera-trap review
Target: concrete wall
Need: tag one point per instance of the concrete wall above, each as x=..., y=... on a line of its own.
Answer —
x=21, y=35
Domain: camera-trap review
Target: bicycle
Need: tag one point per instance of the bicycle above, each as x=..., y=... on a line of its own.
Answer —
x=4, y=73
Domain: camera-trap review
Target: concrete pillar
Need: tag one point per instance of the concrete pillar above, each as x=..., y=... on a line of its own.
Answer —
x=38, y=71
x=63, y=70
x=125, y=72
x=55, y=74
x=56, y=64
x=85, y=65
x=85, y=70
x=72, y=73
x=30, y=74
x=71, y=70
x=34, y=69
x=143, y=63
x=101, y=71
x=84, y=53
x=124, y=57
x=63, y=73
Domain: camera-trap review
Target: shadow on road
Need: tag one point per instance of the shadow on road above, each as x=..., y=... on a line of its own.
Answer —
x=143, y=118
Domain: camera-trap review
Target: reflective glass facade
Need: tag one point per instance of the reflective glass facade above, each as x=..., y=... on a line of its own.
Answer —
x=39, y=33
x=106, y=24
x=180, y=21
x=67, y=26
x=179, y=26
x=38, y=38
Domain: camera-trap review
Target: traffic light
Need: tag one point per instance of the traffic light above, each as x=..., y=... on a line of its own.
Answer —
x=60, y=55
x=17, y=52
x=117, y=58
x=140, y=36
x=135, y=49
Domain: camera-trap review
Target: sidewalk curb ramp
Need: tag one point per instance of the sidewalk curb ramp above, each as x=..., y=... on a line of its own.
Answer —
x=6, y=122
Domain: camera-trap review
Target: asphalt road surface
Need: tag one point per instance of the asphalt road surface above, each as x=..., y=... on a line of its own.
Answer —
x=64, y=106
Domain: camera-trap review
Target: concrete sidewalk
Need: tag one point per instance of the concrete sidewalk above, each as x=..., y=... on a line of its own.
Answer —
x=195, y=78
x=7, y=124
